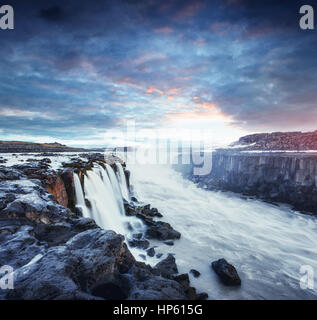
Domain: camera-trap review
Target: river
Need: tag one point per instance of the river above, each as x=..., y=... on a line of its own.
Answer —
x=267, y=244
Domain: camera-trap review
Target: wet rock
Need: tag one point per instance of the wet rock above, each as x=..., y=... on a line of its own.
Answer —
x=46, y=160
x=139, y=243
x=87, y=203
x=84, y=224
x=127, y=177
x=67, y=177
x=151, y=252
x=28, y=201
x=94, y=264
x=195, y=273
x=56, y=187
x=142, y=256
x=137, y=236
x=183, y=280
x=129, y=210
x=202, y=296
x=162, y=231
x=191, y=293
x=167, y=267
x=155, y=213
x=158, y=289
x=60, y=233
x=9, y=173
x=148, y=212
x=226, y=272
x=159, y=255
x=18, y=245
x=169, y=242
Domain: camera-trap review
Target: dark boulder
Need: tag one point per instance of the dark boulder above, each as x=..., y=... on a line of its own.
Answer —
x=137, y=236
x=226, y=272
x=151, y=252
x=162, y=231
x=60, y=233
x=139, y=243
x=148, y=212
x=167, y=267
x=129, y=210
x=202, y=296
x=195, y=273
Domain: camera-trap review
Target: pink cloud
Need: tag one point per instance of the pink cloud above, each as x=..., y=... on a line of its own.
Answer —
x=189, y=10
x=164, y=30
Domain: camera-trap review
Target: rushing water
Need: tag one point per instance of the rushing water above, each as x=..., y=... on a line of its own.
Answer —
x=105, y=191
x=122, y=182
x=267, y=244
x=80, y=199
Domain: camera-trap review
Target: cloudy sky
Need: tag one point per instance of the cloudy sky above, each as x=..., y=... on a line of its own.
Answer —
x=73, y=71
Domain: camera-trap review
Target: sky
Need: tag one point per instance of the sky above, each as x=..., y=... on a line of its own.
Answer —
x=76, y=71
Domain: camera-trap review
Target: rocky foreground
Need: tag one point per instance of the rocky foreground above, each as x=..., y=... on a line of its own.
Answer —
x=58, y=254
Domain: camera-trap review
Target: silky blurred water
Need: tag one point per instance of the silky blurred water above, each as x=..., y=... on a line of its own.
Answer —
x=267, y=244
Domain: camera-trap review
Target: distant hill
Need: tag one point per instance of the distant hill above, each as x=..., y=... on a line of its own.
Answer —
x=294, y=141
x=29, y=147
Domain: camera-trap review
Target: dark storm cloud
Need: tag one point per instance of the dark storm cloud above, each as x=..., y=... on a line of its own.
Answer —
x=54, y=13
x=79, y=67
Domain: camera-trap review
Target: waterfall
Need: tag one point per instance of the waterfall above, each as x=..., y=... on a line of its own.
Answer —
x=80, y=200
x=116, y=188
x=122, y=182
x=105, y=209
x=104, y=193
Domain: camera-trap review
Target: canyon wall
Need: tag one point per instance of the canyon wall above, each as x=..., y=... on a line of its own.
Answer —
x=279, y=177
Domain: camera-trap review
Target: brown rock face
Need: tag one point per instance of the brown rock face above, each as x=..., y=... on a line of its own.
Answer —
x=68, y=179
x=57, y=188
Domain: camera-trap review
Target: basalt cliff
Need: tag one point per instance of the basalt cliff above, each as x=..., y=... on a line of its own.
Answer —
x=250, y=167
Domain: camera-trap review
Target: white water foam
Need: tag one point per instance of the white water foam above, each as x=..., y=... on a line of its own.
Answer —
x=104, y=193
x=267, y=244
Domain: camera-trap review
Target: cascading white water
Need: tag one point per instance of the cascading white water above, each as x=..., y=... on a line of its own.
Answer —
x=105, y=209
x=122, y=182
x=117, y=189
x=80, y=200
x=104, y=193
x=267, y=244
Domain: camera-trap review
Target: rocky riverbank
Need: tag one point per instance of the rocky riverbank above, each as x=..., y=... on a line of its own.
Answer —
x=57, y=254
